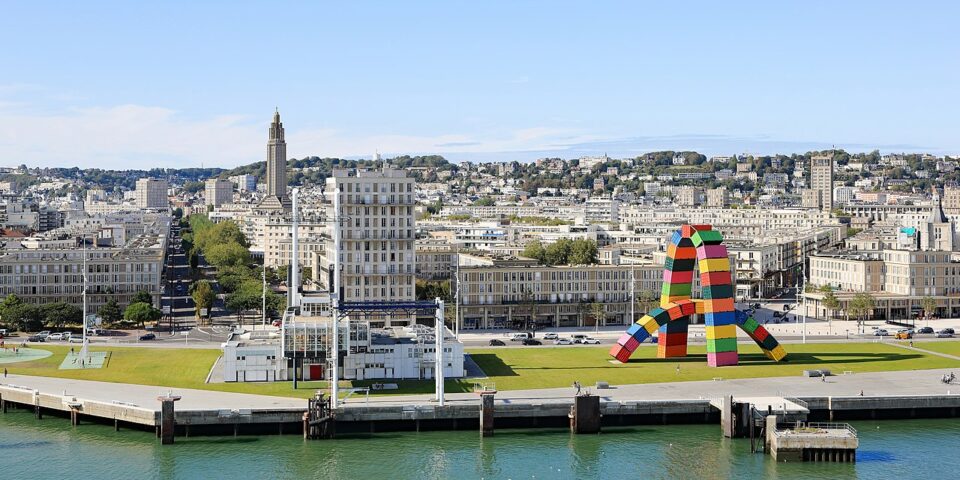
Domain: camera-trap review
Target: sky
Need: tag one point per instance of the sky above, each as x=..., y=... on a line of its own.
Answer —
x=187, y=84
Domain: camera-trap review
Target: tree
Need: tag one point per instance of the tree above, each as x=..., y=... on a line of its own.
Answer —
x=582, y=252
x=831, y=302
x=861, y=306
x=56, y=315
x=558, y=252
x=10, y=301
x=26, y=317
x=598, y=313
x=203, y=297
x=110, y=311
x=227, y=255
x=535, y=251
x=142, y=296
x=141, y=312
x=929, y=306
x=647, y=299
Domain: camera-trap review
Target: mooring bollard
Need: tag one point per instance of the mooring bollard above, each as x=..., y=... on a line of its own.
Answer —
x=486, y=414
x=167, y=423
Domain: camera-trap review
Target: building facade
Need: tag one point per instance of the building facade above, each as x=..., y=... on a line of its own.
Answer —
x=151, y=193
x=821, y=180
x=218, y=192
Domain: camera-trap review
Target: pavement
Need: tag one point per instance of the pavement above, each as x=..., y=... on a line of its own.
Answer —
x=913, y=382
x=146, y=396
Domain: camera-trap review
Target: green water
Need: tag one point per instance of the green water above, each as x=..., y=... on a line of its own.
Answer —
x=50, y=448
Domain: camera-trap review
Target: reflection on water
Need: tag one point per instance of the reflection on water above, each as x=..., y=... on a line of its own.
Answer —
x=41, y=449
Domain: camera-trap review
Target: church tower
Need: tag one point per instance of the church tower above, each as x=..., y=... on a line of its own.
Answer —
x=276, y=180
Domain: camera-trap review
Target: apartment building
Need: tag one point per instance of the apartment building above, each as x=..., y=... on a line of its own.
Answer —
x=278, y=243
x=377, y=235
x=436, y=259
x=218, y=192
x=151, y=193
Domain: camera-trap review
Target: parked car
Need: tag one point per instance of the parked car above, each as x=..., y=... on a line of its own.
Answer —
x=944, y=334
x=577, y=337
x=35, y=338
x=562, y=341
x=589, y=341
x=925, y=330
x=147, y=336
x=44, y=334
x=532, y=341
x=55, y=337
x=550, y=336
x=904, y=335
x=520, y=336
x=880, y=332
x=949, y=330
x=497, y=343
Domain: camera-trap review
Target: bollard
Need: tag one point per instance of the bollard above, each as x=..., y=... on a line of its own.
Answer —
x=585, y=414
x=167, y=422
x=486, y=414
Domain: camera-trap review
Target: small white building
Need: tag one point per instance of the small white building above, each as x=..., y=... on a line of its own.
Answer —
x=253, y=357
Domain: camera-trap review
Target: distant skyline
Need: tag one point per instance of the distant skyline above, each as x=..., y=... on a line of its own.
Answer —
x=182, y=84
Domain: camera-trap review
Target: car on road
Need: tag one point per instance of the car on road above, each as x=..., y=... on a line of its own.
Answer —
x=904, y=335
x=497, y=343
x=520, y=336
x=944, y=334
x=550, y=336
x=925, y=330
x=589, y=341
x=948, y=330
x=562, y=341
x=532, y=341
x=880, y=332
x=35, y=338
x=44, y=334
x=147, y=336
x=55, y=337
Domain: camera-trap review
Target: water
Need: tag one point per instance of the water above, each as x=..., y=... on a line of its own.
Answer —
x=50, y=448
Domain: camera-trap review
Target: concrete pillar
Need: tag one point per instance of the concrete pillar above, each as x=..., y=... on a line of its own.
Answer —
x=486, y=415
x=3, y=405
x=726, y=416
x=770, y=428
x=74, y=417
x=167, y=422
x=585, y=414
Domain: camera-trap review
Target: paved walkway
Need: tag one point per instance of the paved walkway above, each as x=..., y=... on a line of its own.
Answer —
x=911, y=382
x=146, y=396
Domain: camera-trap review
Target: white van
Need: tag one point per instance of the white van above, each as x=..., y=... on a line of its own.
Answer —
x=519, y=337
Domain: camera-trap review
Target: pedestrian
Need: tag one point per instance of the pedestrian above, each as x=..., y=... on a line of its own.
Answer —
x=4, y=372
x=861, y=393
x=576, y=385
x=678, y=369
x=911, y=343
x=823, y=378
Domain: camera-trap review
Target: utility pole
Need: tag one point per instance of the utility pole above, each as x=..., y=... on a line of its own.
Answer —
x=438, y=331
x=456, y=323
x=633, y=297
x=335, y=303
x=263, y=308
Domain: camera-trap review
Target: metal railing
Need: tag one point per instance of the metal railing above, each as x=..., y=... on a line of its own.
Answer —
x=819, y=426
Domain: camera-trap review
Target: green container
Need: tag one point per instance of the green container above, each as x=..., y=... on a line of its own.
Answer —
x=718, y=291
x=709, y=237
x=674, y=289
x=721, y=345
x=750, y=325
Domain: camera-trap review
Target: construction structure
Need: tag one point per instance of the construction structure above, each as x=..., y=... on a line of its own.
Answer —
x=696, y=246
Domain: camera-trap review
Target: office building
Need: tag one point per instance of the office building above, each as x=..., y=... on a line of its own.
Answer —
x=151, y=193
x=821, y=180
x=218, y=192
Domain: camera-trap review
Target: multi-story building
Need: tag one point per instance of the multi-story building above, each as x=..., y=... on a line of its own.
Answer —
x=218, y=192
x=276, y=183
x=49, y=269
x=244, y=183
x=151, y=193
x=718, y=198
x=821, y=180
x=377, y=236
x=436, y=259
x=278, y=242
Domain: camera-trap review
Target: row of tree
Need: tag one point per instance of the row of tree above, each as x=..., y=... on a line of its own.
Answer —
x=563, y=252
x=30, y=318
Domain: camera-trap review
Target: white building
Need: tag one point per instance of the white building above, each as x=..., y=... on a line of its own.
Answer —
x=151, y=193
x=218, y=192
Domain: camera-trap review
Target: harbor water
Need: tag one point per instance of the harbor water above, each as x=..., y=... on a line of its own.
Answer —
x=51, y=448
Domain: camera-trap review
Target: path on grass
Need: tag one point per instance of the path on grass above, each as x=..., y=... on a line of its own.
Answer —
x=921, y=350
x=909, y=382
x=146, y=396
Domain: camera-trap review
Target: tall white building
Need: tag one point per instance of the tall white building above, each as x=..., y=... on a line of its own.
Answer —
x=218, y=192
x=152, y=193
x=377, y=236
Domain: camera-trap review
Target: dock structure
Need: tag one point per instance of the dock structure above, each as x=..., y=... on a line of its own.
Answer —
x=811, y=442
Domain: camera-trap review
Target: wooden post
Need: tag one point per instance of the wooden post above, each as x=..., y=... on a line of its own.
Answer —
x=486, y=414
x=585, y=414
x=167, y=421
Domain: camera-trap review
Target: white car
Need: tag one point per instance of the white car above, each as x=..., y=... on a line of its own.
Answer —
x=54, y=337
x=562, y=341
x=589, y=341
x=881, y=333
x=550, y=336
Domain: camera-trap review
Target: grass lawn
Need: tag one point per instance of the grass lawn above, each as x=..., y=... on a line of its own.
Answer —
x=507, y=368
x=950, y=347
x=518, y=368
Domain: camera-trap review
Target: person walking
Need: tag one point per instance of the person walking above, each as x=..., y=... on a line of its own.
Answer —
x=4, y=372
x=678, y=369
x=576, y=385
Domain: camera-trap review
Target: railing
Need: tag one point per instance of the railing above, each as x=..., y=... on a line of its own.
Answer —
x=820, y=426
x=797, y=401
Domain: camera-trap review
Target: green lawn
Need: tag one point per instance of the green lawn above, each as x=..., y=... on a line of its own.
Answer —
x=508, y=368
x=518, y=368
x=951, y=347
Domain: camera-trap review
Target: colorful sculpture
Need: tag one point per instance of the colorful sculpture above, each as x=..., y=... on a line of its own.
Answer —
x=697, y=244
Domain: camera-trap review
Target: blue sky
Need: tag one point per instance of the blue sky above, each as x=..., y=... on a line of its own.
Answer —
x=126, y=84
